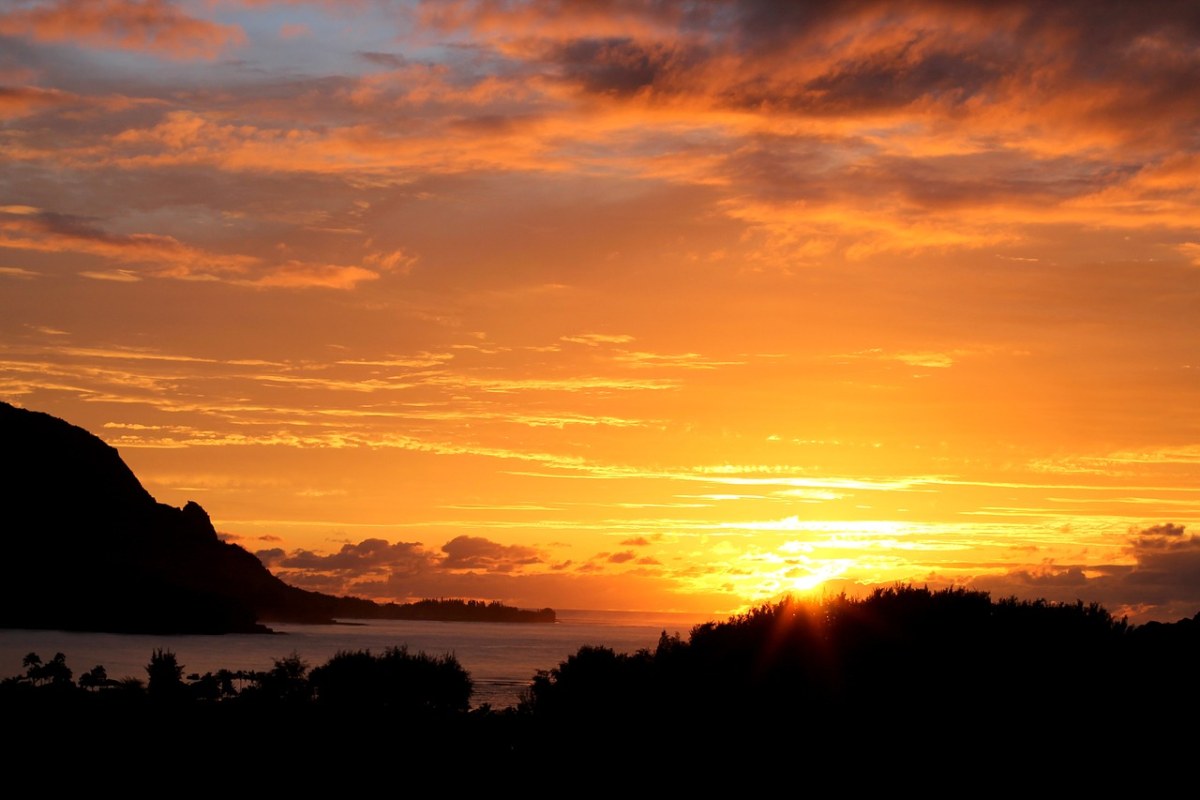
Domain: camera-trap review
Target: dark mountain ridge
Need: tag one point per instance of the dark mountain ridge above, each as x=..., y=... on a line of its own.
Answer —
x=86, y=547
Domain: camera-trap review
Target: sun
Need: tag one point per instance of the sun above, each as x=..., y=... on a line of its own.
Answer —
x=817, y=576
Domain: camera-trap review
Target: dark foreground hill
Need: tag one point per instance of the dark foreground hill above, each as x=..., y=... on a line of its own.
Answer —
x=86, y=547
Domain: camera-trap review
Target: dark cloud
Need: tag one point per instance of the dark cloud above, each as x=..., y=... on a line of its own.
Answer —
x=272, y=557
x=1163, y=583
x=622, y=557
x=475, y=552
x=894, y=80
x=784, y=168
x=981, y=179
x=317, y=582
x=620, y=66
x=1160, y=536
x=636, y=541
x=74, y=227
x=766, y=26
x=390, y=60
x=762, y=24
x=367, y=555
x=871, y=57
x=404, y=570
x=1168, y=567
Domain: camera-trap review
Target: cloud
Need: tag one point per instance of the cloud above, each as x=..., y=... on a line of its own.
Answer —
x=835, y=129
x=19, y=101
x=474, y=552
x=116, y=275
x=297, y=275
x=392, y=261
x=1191, y=251
x=477, y=567
x=870, y=116
x=271, y=557
x=597, y=339
x=377, y=559
x=618, y=67
x=680, y=360
x=367, y=556
x=58, y=233
x=149, y=26
x=930, y=358
x=1162, y=583
x=165, y=256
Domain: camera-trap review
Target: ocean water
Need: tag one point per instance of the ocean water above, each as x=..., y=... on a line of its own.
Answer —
x=502, y=658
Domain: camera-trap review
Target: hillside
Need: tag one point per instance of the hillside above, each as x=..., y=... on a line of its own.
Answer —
x=88, y=548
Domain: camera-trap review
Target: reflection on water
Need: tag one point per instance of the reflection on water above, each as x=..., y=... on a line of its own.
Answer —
x=501, y=657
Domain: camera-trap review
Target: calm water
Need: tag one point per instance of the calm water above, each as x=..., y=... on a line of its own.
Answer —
x=502, y=658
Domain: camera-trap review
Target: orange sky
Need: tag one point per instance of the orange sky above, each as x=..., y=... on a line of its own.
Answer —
x=625, y=305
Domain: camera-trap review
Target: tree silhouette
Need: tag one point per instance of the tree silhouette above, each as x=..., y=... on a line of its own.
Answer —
x=394, y=680
x=165, y=675
x=94, y=678
x=32, y=663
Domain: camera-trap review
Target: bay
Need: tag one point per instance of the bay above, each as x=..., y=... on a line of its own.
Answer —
x=502, y=658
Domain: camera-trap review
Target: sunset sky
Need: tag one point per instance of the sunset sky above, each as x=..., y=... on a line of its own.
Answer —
x=625, y=305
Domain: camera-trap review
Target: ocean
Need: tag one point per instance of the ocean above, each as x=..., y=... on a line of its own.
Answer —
x=502, y=658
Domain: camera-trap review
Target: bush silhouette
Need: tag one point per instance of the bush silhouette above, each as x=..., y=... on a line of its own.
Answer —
x=394, y=680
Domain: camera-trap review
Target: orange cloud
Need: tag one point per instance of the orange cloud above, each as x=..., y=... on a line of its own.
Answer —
x=149, y=26
x=20, y=101
x=57, y=233
x=164, y=256
x=295, y=274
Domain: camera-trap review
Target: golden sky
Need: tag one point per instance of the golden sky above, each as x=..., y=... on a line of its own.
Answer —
x=629, y=305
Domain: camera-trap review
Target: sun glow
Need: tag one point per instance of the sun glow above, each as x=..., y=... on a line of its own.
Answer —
x=808, y=584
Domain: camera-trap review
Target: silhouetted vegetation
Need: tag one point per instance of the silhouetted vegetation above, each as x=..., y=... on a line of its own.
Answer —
x=903, y=676
x=393, y=681
x=949, y=671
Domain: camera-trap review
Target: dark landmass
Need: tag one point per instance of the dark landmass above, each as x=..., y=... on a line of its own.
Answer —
x=86, y=547
x=907, y=684
x=452, y=610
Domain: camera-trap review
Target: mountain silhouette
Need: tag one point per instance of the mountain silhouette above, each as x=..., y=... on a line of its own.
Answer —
x=86, y=547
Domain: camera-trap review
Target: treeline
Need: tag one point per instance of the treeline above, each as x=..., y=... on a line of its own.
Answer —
x=394, y=681
x=905, y=673
x=444, y=610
